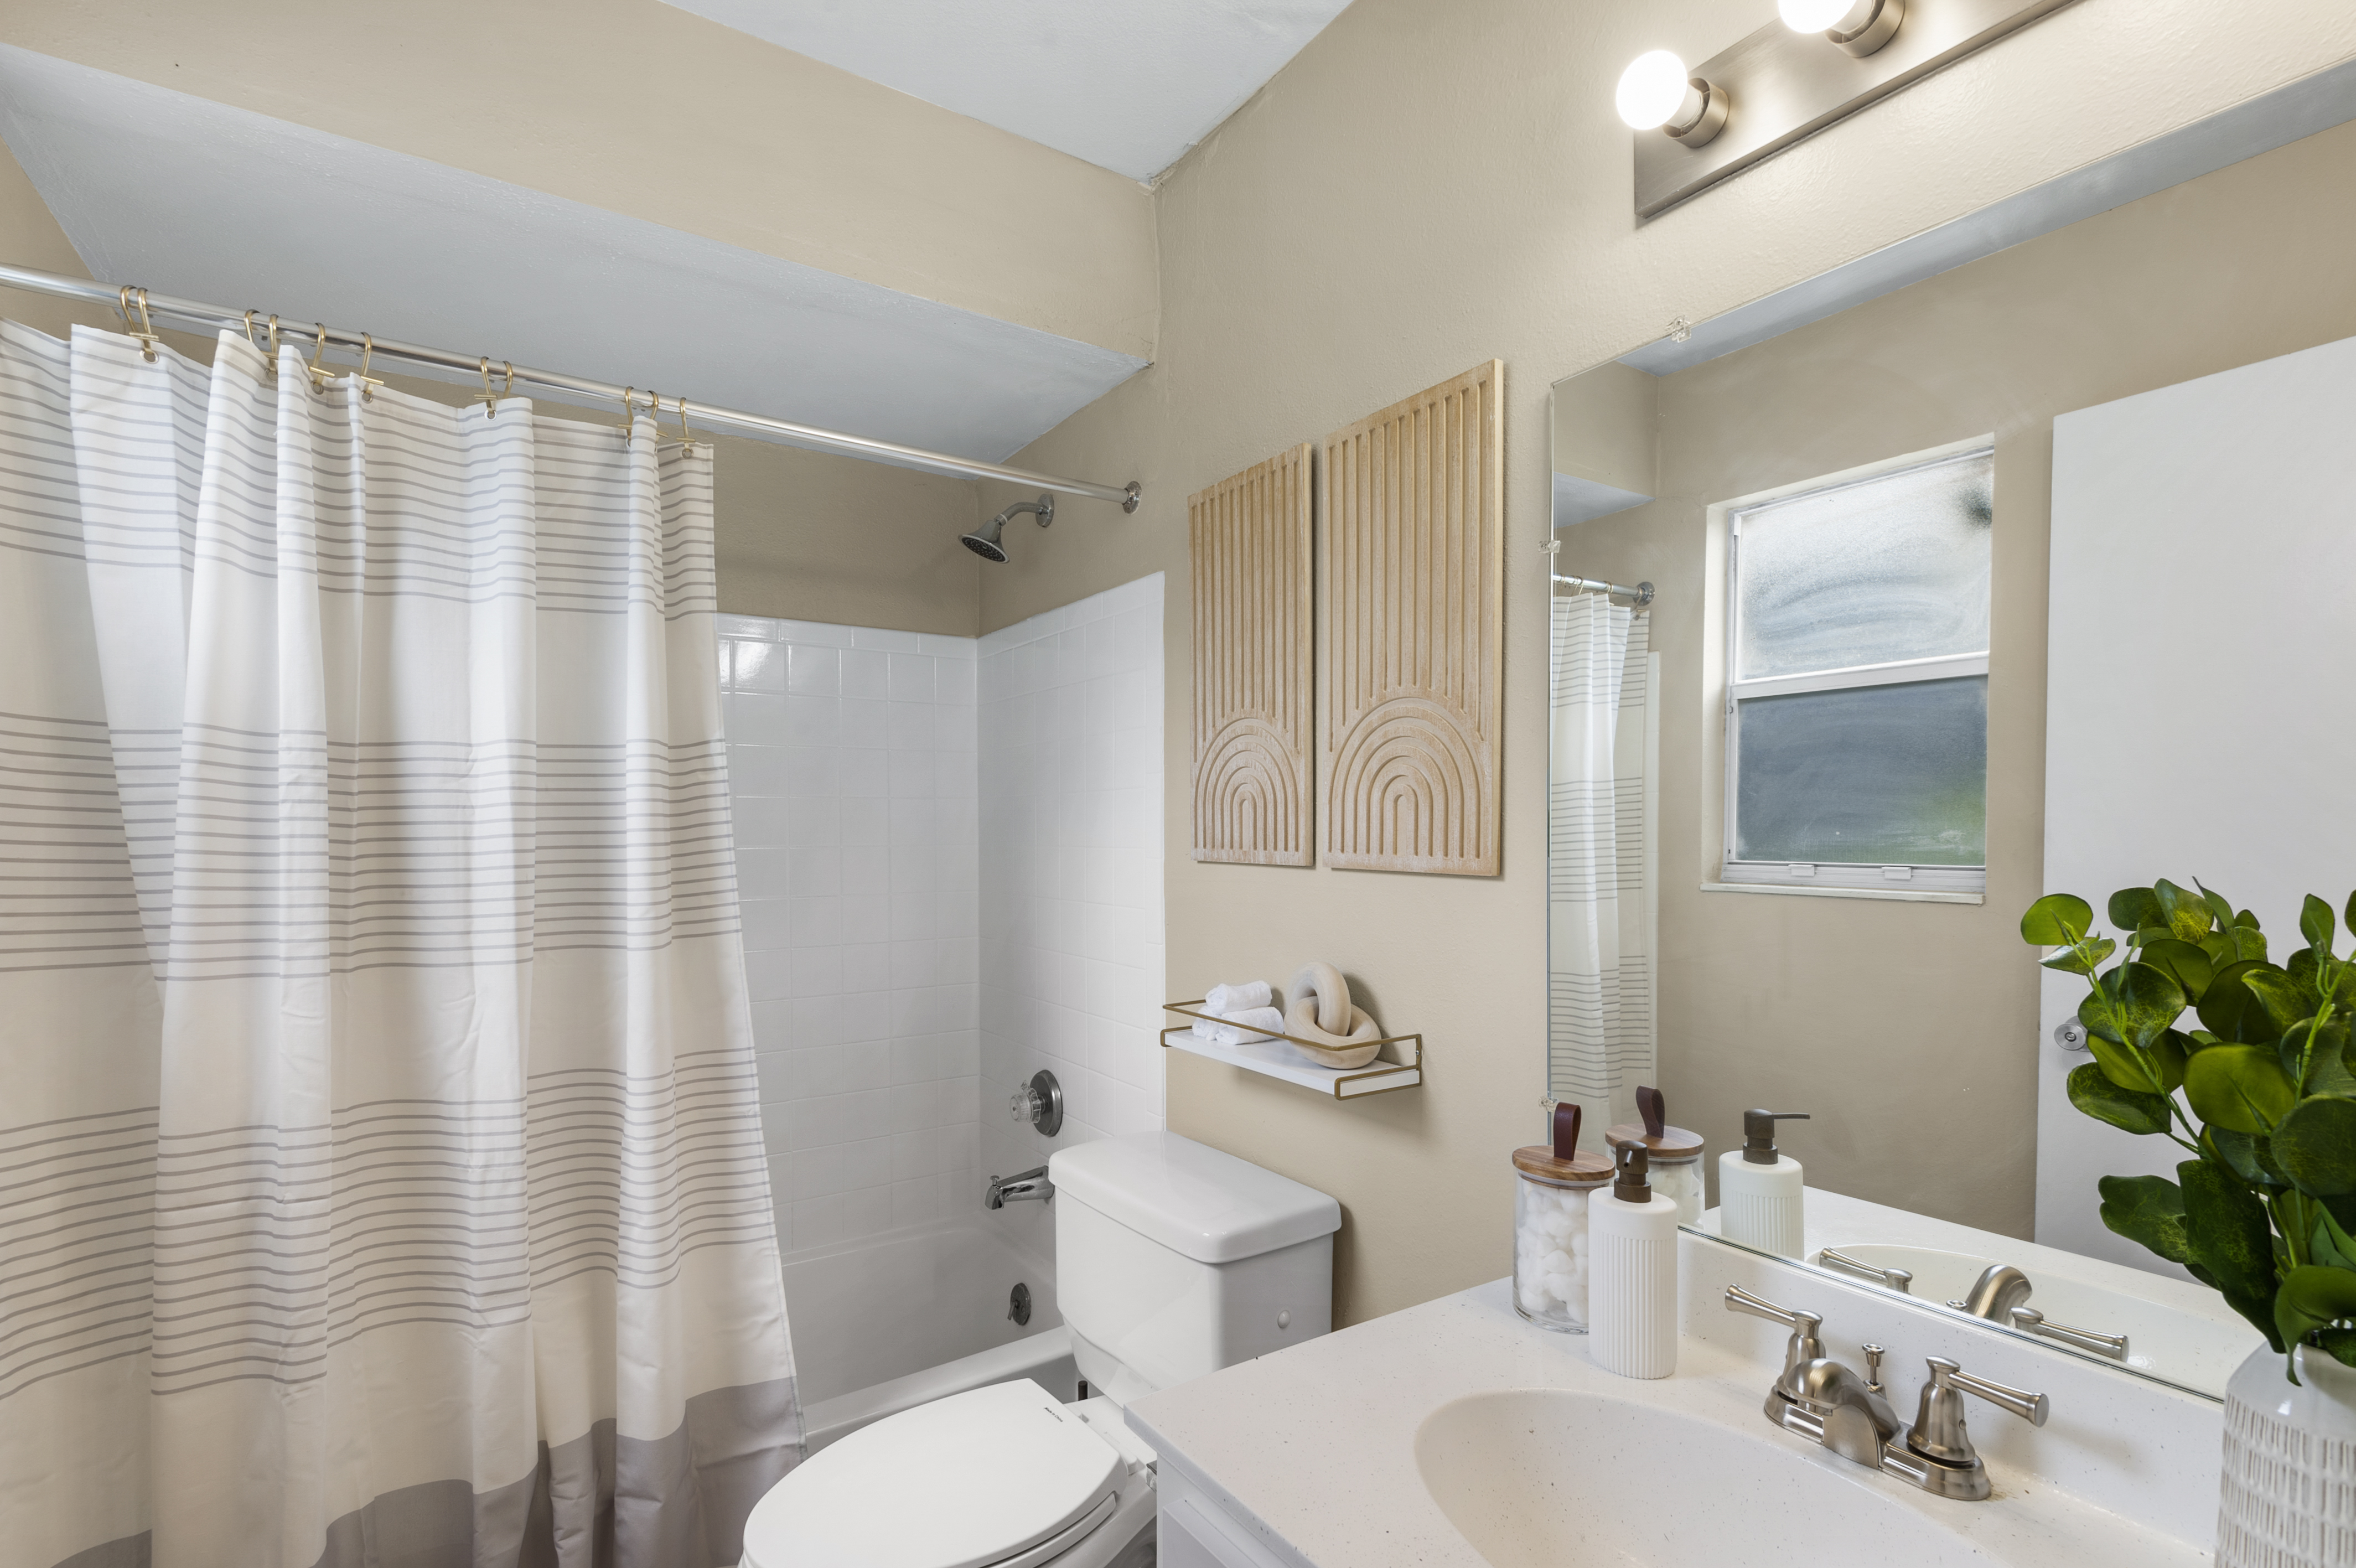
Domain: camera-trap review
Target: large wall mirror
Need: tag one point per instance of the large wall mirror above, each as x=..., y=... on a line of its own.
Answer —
x=2013, y=561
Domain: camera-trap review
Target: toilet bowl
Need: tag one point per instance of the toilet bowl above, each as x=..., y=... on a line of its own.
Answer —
x=1173, y=1259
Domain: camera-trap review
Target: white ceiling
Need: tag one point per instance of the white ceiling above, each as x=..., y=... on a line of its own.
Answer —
x=186, y=197
x=1127, y=84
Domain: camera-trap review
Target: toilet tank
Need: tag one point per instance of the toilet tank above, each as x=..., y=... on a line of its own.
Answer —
x=1174, y=1260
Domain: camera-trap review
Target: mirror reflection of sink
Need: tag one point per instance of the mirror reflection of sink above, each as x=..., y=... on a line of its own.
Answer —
x=2197, y=1349
x=1548, y=1478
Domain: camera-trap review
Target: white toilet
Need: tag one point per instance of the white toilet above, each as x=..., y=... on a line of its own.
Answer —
x=1171, y=1259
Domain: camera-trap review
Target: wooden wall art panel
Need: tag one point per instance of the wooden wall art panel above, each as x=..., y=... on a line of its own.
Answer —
x=1413, y=528
x=1250, y=541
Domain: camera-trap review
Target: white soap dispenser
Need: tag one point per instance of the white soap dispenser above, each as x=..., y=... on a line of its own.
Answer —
x=1758, y=1191
x=1631, y=1285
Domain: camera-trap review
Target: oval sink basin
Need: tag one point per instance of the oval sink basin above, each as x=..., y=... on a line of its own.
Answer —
x=1547, y=1478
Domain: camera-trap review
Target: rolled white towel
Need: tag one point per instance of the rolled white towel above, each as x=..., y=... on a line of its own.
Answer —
x=1229, y=999
x=1240, y=1028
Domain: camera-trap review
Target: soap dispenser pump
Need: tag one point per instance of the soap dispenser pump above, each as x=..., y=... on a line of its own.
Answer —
x=1632, y=1292
x=1759, y=1188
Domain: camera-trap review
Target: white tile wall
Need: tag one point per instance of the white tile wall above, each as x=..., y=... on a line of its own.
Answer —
x=1072, y=970
x=853, y=772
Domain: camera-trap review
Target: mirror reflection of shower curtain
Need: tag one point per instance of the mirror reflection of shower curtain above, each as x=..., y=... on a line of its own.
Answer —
x=1602, y=858
x=386, y=1182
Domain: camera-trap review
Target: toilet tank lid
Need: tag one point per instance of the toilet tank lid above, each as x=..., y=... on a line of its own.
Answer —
x=1191, y=1197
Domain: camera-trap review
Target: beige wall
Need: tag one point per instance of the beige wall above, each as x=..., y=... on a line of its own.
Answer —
x=1423, y=188
x=807, y=535
x=1910, y=1029
x=732, y=138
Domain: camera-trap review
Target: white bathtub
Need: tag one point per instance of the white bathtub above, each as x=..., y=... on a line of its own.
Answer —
x=885, y=1325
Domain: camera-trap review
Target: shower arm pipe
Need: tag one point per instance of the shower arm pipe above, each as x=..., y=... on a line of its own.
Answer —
x=1638, y=596
x=757, y=425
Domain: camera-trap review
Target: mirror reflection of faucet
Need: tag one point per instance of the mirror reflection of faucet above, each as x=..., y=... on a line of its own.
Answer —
x=1826, y=1401
x=2001, y=1295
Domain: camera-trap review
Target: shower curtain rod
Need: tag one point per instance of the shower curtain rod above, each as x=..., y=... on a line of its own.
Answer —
x=781, y=430
x=1638, y=596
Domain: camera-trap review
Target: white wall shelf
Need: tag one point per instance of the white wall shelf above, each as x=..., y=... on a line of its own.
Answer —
x=1400, y=1063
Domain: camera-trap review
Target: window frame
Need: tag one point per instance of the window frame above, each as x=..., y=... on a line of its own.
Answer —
x=1822, y=876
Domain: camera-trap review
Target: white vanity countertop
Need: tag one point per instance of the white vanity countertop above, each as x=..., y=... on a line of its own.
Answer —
x=1314, y=1450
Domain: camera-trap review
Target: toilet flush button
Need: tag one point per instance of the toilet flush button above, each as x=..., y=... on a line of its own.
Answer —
x=1284, y=1320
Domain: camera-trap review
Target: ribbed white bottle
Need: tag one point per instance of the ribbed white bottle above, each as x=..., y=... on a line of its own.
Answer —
x=1762, y=1206
x=1632, y=1283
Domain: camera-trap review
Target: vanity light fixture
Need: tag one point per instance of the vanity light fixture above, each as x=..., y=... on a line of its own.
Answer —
x=1657, y=91
x=1857, y=26
x=1779, y=86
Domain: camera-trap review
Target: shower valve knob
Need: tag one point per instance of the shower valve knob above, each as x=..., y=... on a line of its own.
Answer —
x=1040, y=1103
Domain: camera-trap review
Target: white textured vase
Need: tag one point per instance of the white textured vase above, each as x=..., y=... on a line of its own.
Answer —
x=2288, y=1495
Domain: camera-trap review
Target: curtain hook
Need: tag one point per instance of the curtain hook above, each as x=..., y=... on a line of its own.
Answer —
x=274, y=347
x=686, y=436
x=369, y=384
x=320, y=375
x=146, y=330
x=630, y=412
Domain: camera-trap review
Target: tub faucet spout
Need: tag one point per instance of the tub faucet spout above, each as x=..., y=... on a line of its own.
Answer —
x=1025, y=1186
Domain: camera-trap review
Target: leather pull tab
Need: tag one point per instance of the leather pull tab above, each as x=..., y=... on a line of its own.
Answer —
x=1566, y=1131
x=1655, y=1115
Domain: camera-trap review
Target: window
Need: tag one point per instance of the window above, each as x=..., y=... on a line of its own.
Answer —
x=1856, y=692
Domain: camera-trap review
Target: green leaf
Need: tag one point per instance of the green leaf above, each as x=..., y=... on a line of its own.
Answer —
x=2132, y=1004
x=2057, y=921
x=2330, y=1232
x=2183, y=962
x=2284, y=997
x=2339, y=1344
x=2234, y=943
x=2315, y=923
x=2149, y=1209
x=2091, y=1091
x=2132, y=908
x=2247, y=1155
x=2187, y=915
x=2220, y=909
x=2240, y=1086
x=2313, y=1298
x=2314, y=1145
x=2231, y=1010
x=2229, y=1234
x=2084, y=958
x=2350, y=912
x=2323, y=1069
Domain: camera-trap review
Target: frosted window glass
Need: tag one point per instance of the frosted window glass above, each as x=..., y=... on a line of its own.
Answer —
x=1868, y=775
x=1889, y=568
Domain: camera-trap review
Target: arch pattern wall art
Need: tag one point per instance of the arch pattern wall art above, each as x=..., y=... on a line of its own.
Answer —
x=1412, y=519
x=1248, y=537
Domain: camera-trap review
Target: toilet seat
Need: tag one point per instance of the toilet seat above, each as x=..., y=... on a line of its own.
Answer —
x=997, y=1478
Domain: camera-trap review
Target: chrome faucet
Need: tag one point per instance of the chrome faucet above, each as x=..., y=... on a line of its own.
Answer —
x=1022, y=1187
x=1831, y=1405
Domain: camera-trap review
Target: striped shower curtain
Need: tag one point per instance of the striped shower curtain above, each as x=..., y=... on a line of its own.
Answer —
x=383, y=1179
x=1602, y=860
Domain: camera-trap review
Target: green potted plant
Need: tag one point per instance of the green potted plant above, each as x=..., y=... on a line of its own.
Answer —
x=2259, y=1095
x=2200, y=1037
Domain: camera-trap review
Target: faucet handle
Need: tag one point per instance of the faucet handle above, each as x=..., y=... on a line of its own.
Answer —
x=1938, y=1432
x=1791, y=1317
x=1873, y=1355
x=1802, y=1348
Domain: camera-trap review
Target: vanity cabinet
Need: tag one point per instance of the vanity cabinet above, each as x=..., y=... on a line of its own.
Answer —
x=1197, y=1532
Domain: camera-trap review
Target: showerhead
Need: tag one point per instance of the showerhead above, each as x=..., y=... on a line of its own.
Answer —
x=987, y=541
x=984, y=541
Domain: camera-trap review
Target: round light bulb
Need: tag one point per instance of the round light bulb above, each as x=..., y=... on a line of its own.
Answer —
x=1813, y=16
x=1652, y=89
